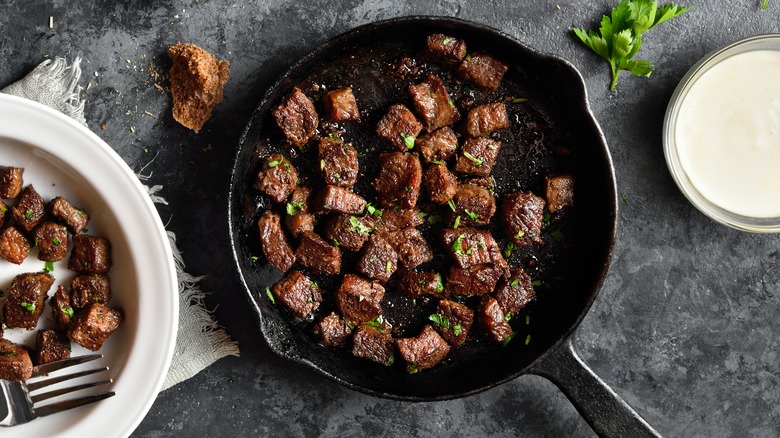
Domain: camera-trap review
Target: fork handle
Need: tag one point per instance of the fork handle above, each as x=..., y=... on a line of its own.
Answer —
x=16, y=407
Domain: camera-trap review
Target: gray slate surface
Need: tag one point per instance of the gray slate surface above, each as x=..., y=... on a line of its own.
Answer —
x=684, y=327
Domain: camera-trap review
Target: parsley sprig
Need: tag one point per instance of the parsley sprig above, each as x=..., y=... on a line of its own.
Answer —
x=620, y=35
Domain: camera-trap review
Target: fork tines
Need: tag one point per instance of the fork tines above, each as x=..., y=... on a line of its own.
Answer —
x=44, y=369
x=50, y=367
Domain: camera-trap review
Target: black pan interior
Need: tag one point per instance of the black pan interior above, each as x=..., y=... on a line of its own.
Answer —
x=554, y=118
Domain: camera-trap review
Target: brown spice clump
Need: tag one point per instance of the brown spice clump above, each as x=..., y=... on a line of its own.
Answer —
x=197, y=78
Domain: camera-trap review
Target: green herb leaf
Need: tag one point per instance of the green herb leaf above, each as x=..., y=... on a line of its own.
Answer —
x=515, y=282
x=376, y=322
x=68, y=311
x=476, y=160
x=270, y=295
x=437, y=162
x=388, y=267
x=56, y=241
x=440, y=320
x=254, y=258
x=48, y=267
x=507, y=317
x=408, y=189
x=457, y=245
x=764, y=5
x=293, y=207
x=357, y=226
x=361, y=298
x=508, y=249
x=439, y=285
x=527, y=339
x=519, y=100
x=408, y=140
x=335, y=243
x=373, y=210
x=457, y=330
x=457, y=222
x=451, y=203
x=434, y=219
x=471, y=214
x=274, y=163
x=412, y=369
x=519, y=234
x=557, y=235
x=391, y=360
x=30, y=307
x=508, y=339
x=527, y=319
x=29, y=214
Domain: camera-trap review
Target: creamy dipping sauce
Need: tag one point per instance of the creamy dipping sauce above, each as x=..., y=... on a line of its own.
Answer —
x=728, y=134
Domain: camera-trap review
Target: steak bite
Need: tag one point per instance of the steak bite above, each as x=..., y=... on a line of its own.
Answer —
x=398, y=183
x=399, y=127
x=297, y=117
x=438, y=146
x=486, y=118
x=393, y=219
x=299, y=217
x=318, y=255
x=445, y=48
x=90, y=255
x=423, y=351
x=482, y=70
x=433, y=104
x=93, y=325
x=11, y=181
x=440, y=183
x=51, y=345
x=52, y=241
x=298, y=294
x=29, y=209
x=277, y=177
x=490, y=318
x=475, y=280
x=560, y=191
x=14, y=247
x=411, y=247
x=15, y=362
x=521, y=215
x=378, y=260
x=515, y=292
x=61, y=310
x=415, y=284
x=477, y=157
x=471, y=247
x=86, y=289
x=339, y=199
x=26, y=296
x=338, y=163
x=333, y=330
x=473, y=204
x=273, y=242
x=453, y=321
x=359, y=300
x=349, y=231
x=340, y=105
x=76, y=219
x=373, y=343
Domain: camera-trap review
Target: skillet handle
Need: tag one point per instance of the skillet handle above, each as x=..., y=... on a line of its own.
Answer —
x=604, y=410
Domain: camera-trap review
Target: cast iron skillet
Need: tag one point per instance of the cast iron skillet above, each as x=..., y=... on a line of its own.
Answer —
x=556, y=116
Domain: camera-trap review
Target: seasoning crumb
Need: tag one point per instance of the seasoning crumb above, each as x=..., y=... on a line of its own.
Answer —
x=51, y=22
x=132, y=129
x=150, y=114
x=558, y=7
x=103, y=126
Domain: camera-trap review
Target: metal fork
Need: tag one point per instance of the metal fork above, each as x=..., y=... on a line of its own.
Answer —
x=20, y=402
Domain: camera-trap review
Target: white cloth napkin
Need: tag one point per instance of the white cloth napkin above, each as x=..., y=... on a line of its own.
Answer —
x=200, y=340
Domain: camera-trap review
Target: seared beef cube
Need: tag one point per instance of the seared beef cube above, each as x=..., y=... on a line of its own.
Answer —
x=473, y=204
x=486, y=118
x=298, y=218
x=423, y=351
x=15, y=362
x=75, y=219
x=3, y=213
x=359, y=300
x=414, y=284
x=399, y=127
x=333, y=330
x=482, y=70
x=296, y=117
x=438, y=146
x=486, y=182
x=298, y=294
x=52, y=241
x=521, y=215
x=378, y=261
x=338, y=163
x=470, y=247
x=277, y=177
x=91, y=255
x=29, y=209
x=433, y=103
x=26, y=296
x=398, y=183
x=411, y=247
x=453, y=321
x=61, y=309
x=515, y=292
x=14, y=247
x=333, y=198
x=373, y=343
x=318, y=255
x=348, y=231
x=340, y=105
x=402, y=67
x=440, y=183
x=445, y=48
x=51, y=345
x=86, y=289
x=490, y=317
x=477, y=157
x=273, y=241
x=560, y=191
x=393, y=219
x=10, y=181
x=94, y=324
x=475, y=280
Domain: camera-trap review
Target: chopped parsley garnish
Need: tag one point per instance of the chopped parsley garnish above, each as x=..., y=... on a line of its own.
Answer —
x=274, y=163
x=515, y=282
x=527, y=339
x=507, y=317
x=557, y=235
x=56, y=241
x=457, y=330
x=388, y=267
x=457, y=222
x=357, y=226
x=391, y=360
x=254, y=258
x=434, y=219
x=536, y=283
x=412, y=369
x=287, y=167
x=437, y=162
x=451, y=203
x=625, y=198
x=439, y=284
x=376, y=322
x=527, y=319
x=452, y=104
x=48, y=267
x=457, y=245
x=508, y=339
x=3, y=208
x=373, y=210
x=477, y=161
x=446, y=40
x=270, y=295
x=519, y=100
x=68, y=311
x=471, y=214
x=322, y=164
x=546, y=220
x=361, y=298
x=293, y=207
x=440, y=320
x=80, y=212
x=29, y=214
x=519, y=234
x=508, y=249
x=30, y=307
x=335, y=243
x=408, y=140
x=408, y=189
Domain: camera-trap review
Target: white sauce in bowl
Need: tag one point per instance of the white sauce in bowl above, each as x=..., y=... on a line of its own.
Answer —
x=728, y=134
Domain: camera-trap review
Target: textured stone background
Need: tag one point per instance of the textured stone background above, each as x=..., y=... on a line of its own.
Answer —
x=684, y=327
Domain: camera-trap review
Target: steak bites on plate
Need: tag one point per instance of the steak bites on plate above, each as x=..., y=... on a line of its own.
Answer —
x=378, y=207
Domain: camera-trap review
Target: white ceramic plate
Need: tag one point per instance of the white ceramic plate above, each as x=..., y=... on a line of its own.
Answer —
x=61, y=157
